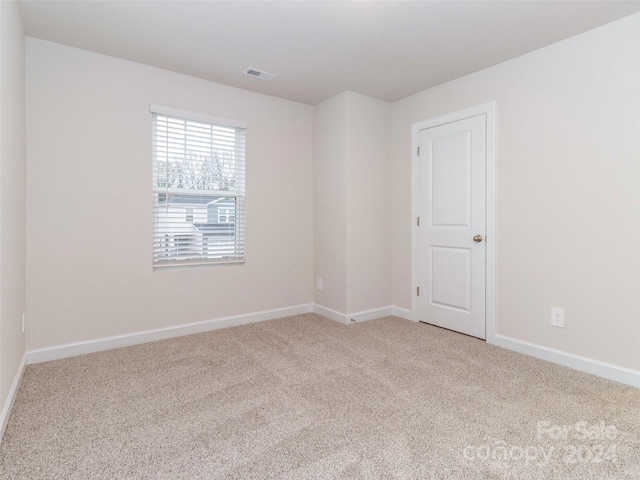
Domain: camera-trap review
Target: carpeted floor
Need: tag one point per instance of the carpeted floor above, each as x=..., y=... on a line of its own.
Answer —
x=307, y=398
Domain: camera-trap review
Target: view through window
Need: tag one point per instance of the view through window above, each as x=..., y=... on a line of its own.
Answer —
x=198, y=191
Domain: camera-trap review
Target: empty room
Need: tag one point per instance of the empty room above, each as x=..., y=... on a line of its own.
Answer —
x=319, y=239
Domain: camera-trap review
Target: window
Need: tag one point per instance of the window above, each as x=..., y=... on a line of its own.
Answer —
x=198, y=189
x=224, y=215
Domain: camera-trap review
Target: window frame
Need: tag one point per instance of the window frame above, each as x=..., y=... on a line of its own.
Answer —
x=168, y=250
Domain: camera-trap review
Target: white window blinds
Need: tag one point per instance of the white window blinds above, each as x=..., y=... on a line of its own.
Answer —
x=198, y=189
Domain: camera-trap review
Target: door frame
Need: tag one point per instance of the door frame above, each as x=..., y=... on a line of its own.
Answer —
x=488, y=109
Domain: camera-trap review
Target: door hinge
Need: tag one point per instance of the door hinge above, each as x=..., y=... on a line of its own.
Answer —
x=418, y=221
x=418, y=151
x=418, y=291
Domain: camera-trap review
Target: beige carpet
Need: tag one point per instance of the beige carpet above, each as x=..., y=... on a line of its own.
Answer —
x=307, y=398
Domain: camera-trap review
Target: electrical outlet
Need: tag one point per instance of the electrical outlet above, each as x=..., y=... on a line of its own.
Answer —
x=319, y=283
x=557, y=317
x=23, y=322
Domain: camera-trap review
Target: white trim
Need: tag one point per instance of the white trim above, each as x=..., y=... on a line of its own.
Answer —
x=401, y=312
x=490, y=228
x=358, y=317
x=576, y=362
x=11, y=397
x=197, y=116
x=98, y=345
x=488, y=109
x=366, y=315
x=91, y=346
x=415, y=204
x=331, y=314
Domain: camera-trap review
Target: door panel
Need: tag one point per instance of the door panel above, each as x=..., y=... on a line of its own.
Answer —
x=450, y=178
x=452, y=209
x=450, y=278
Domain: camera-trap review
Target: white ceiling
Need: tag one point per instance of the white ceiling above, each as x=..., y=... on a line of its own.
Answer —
x=384, y=49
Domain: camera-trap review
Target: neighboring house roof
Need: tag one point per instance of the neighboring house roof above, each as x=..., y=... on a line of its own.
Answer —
x=198, y=201
x=221, y=201
x=226, y=229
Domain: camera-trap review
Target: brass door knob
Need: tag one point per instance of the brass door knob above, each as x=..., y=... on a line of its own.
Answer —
x=477, y=238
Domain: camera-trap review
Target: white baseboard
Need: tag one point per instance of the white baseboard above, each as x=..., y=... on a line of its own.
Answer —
x=583, y=364
x=98, y=345
x=331, y=314
x=366, y=315
x=91, y=346
x=363, y=316
x=401, y=312
x=11, y=398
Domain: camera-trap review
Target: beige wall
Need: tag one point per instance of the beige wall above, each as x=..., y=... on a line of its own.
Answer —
x=568, y=191
x=351, y=202
x=368, y=203
x=330, y=201
x=89, y=220
x=12, y=195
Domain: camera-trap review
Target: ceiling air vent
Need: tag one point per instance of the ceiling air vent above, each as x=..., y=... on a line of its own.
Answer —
x=254, y=72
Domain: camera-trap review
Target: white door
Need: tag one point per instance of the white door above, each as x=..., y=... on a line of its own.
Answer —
x=452, y=225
